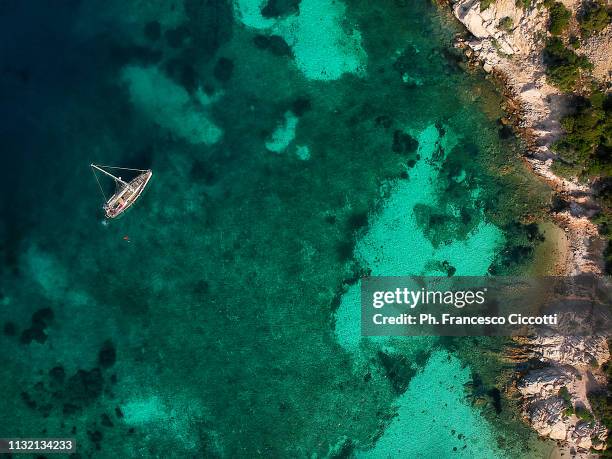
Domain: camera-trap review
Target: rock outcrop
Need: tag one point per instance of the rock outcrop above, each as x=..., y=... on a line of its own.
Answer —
x=572, y=364
x=508, y=40
x=515, y=54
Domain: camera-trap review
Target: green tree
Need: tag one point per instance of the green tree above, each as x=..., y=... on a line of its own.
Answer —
x=595, y=18
x=484, y=4
x=506, y=23
x=586, y=148
x=563, y=66
x=559, y=18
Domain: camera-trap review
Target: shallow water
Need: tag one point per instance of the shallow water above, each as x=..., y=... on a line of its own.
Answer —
x=292, y=153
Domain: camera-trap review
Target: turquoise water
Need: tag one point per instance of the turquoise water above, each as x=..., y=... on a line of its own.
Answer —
x=295, y=146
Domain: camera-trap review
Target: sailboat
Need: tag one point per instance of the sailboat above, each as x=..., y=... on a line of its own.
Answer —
x=126, y=193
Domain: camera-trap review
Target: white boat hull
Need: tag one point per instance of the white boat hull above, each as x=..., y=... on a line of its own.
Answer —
x=127, y=195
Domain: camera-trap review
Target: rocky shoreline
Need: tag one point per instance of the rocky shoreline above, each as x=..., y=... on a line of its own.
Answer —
x=511, y=49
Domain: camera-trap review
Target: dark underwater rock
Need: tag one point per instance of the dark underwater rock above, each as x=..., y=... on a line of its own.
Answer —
x=224, y=68
x=357, y=220
x=273, y=43
x=201, y=287
x=483, y=395
x=36, y=332
x=57, y=375
x=203, y=172
x=69, y=409
x=410, y=64
x=85, y=386
x=183, y=73
x=384, y=121
x=105, y=420
x=403, y=143
x=331, y=219
x=450, y=270
x=123, y=54
x=421, y=358
x=344, y=249
x=67, y=396
x=177, y=37
x=343, y=450
x=30, y=403
x=261, y=41
x=518, y=249
x=42, y=317
x=495, y=396
x=95, y=437
x=300, y=106
x=107, y=355
x=455, y=61
x=10, y=329
x=45, y=409
x=398, y=370
x=211, y=23
x=152, y=30
x=280, y=8
x=337, y=298
x=505, y=132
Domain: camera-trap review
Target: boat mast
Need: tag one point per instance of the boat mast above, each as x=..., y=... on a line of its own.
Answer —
x=111, y=175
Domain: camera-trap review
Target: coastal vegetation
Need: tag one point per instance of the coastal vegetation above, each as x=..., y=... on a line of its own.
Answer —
x=559, y=17
x=595, y=18
x=579, y=410
x=584, y=414
x=602, y=408
x=567, y=401
x=506, y=23
x=563, y=66
x=484, y=4
x=586, y=152
x=524, y=3
x=585, y=149
x=572, y=51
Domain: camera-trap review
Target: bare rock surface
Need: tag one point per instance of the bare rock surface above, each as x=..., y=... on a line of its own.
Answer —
x=508, y=40
x=597, y=49
x=546, y=409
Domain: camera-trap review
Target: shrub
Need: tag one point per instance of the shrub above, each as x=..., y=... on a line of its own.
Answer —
x=565, y=395
x=595, y=18
x=587, y=144
x=484, y=4
x=506, y=24
x=584, y=414
x=602, y=407
x=608, y=264
x=559, y=18
x=563, y=66
x=567, y=401
x=574, y=42
x=523, y=3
